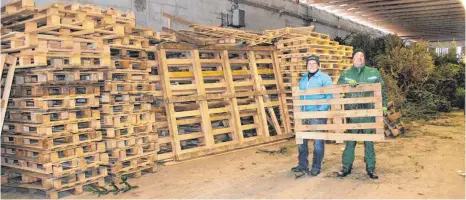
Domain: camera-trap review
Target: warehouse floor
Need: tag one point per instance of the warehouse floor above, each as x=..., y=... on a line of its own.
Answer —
x=421, y=164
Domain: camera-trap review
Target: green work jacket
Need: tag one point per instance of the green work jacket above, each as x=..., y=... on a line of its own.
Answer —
x=362, y=75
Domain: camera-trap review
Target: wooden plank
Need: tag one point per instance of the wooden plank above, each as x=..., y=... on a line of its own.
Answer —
x=206, y=125
x=273, y=117
x=263, y=127
x=8, y=82
x=178, y=61
x=170, y=108
x=271, y=103
x=337, y=101
x=235, y=120
x=218, y=110
x=304, y=128
x=285, y=117
x=346, y=113
x=247, y=107
x=177, y=19
x=249, y=126
x=335, y=89
x=191, y=136
x=219, y=131
x=337, y=136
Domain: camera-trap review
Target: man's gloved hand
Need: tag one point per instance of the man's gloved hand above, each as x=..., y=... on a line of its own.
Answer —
x=353, y=83
x=384, y=111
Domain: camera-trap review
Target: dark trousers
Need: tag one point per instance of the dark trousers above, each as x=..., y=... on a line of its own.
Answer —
x=319, y=149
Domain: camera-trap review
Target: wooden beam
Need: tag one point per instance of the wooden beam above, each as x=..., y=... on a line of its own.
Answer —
x=370, y=3
x=383, y=16
x=421, y=12
x=384, y=5
x=422, y=19
x=417, y=5
x=177, y=19
x=264, y=128
x=418, y=9
x=206, y=124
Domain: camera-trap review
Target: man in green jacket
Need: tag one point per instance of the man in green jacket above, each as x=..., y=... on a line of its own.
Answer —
x=360, y=73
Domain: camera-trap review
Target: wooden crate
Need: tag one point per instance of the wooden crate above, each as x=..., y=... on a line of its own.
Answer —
x=337, y=117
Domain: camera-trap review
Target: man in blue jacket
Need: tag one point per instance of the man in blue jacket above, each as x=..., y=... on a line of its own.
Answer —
x=314, y=78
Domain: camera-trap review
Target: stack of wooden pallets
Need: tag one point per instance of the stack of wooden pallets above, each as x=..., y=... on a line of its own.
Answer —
x=126, y=96
x=51, y=139
x=94, y=92
x=80, y=99
x=334, y=58
x=220, y=98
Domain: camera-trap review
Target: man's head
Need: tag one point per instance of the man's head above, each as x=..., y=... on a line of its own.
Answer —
x=359, y=58
x=313, y=63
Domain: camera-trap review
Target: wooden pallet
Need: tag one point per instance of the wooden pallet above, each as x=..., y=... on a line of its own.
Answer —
x=208, y=87
x=337, y=116
x=54, y=90
x=6, y=63
x=121, y=87
x=66, y=116
x=36, y=77
x=115, y=99
x=129, y=163
x=49, y=143
x=133, y=173
x=55, y=102
x=23, y=179
x=48, y=157
x=124, y=108
x=126, y=142
x=125, y=120
x=58, y=169
x=126, y=75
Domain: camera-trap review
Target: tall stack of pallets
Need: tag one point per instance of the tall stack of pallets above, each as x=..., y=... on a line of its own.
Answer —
x=51, y=139
x=126, y=96
x=334, y=58
x=80, y=103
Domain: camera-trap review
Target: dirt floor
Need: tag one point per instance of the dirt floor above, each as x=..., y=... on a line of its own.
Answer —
x=426, y=162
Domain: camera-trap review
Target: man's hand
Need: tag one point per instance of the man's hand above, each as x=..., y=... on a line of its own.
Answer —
x=384, y=111
x=353, y=83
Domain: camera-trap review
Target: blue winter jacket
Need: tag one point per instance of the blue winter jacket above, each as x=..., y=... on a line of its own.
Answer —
x=319, y=79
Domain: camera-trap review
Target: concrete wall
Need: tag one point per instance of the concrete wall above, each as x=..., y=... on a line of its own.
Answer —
x=260, y=14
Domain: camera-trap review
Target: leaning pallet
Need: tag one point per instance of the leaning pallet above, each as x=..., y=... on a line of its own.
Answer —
x=220, y=98
x=343, y=107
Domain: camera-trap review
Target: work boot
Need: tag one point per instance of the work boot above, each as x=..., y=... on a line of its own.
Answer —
x=314, y=172
x=372, y=175
x=298, y=169
x=344, y=172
